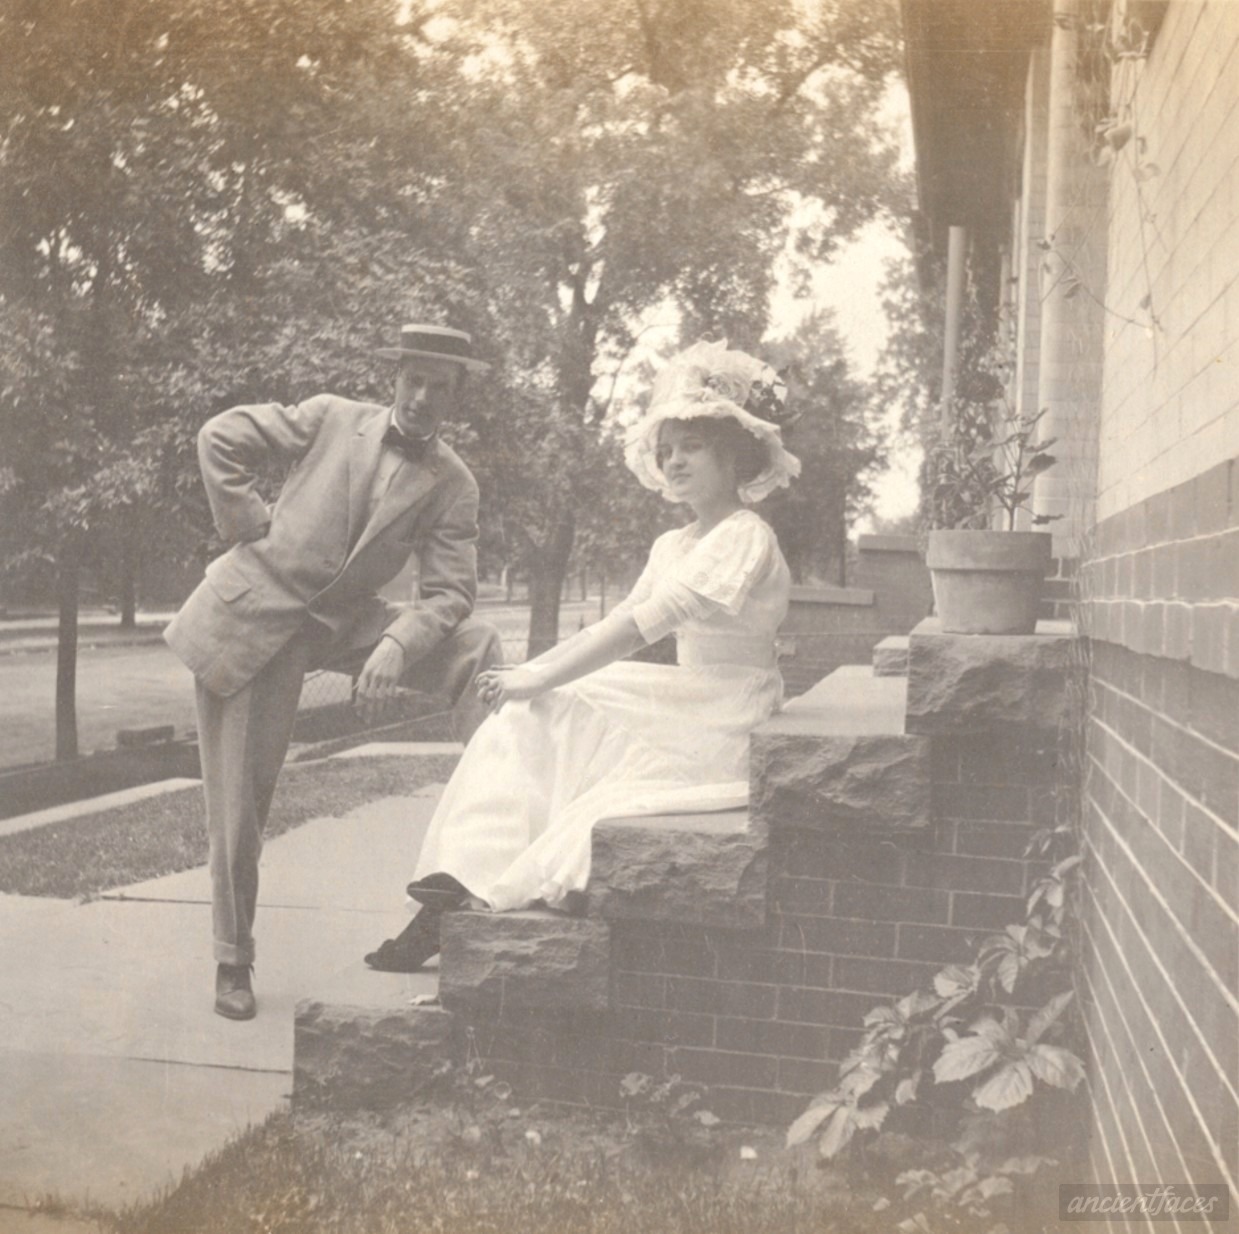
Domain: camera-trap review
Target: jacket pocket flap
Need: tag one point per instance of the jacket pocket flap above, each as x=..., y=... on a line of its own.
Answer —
x=228, y=586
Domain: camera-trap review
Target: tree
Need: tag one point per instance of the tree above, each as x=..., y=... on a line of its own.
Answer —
x=147, y=151
x=838, y=447
x=212, y=200
x=652, y=154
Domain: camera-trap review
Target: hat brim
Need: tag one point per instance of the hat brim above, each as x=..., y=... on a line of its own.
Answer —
x=641, y=446
x=399, y=353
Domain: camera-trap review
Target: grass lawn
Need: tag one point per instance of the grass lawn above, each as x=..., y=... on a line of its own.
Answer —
x=443, y=1168
x=462, y=1162
x=83, y=856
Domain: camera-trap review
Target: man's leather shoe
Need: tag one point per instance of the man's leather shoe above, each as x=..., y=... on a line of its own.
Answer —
x=234, y=995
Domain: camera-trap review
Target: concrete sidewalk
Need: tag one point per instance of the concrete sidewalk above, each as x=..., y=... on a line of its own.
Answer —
x=117, y=1074
x=30, y=634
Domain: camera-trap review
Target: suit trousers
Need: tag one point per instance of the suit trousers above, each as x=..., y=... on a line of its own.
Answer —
x=243, y=739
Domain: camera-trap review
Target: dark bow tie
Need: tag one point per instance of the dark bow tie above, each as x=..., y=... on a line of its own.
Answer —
x=413, y=448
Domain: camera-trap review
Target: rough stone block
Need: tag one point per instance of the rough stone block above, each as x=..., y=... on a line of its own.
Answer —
x=697, y=869
x=959, y=683
x=524, y=959
x=890, y=657
x=366, y=1056
x=876, y=781
x=127, y=738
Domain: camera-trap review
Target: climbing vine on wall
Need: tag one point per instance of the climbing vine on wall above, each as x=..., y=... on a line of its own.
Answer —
x=1111, y=45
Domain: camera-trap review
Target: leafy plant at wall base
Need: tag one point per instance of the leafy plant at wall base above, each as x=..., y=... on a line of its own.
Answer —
x=669, y=1115
x=967, y=1027
x=965, y=1193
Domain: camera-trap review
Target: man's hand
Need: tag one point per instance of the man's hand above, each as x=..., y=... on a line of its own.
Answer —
x=379, y=680
x=509, y=684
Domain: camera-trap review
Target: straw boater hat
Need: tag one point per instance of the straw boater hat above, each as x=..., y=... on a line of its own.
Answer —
x=709, y=380
x=437, y=343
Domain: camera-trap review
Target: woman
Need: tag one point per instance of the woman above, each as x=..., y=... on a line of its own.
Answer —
x=579, y=733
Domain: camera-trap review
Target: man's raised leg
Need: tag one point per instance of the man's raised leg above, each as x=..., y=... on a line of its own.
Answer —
x=450, y=670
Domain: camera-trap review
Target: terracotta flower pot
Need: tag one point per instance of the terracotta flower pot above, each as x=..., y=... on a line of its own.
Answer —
x=988, y=582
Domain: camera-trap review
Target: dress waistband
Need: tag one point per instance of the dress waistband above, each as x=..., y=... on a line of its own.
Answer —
x=747, y=650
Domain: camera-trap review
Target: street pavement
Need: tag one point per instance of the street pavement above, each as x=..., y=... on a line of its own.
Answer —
x=117, y=1075
x=137, y=682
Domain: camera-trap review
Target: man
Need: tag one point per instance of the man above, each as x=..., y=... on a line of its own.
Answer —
x=368, y=487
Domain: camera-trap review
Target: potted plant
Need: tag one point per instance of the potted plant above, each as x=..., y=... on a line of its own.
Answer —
x=986, y=580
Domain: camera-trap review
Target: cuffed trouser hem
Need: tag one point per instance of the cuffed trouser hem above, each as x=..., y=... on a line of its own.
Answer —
x=229, y=953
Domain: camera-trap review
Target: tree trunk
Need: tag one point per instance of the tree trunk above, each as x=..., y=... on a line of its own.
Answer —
x=548, y=568
x=128, y=585
x=68, y=578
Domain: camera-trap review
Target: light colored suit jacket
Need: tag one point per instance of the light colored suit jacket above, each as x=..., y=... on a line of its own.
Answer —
x=320, y=552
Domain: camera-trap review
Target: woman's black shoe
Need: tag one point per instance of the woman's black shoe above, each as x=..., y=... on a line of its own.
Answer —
x=439, y=891
x=411, y=948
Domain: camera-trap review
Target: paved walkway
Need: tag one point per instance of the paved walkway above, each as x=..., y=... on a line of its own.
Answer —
x=116, y=1073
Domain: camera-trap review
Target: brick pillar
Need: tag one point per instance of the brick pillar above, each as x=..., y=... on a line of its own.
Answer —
x=1073, y=283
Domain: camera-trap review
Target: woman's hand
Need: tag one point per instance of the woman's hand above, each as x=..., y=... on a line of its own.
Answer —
x=509, y=684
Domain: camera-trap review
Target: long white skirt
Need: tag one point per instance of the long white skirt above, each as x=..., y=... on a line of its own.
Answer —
x=632, y=739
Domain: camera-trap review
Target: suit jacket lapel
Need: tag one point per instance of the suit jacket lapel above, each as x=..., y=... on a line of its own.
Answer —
x=362, y=463
x=409, y=484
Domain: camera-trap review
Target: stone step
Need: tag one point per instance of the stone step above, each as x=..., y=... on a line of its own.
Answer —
x=835, y=756
x=369, y=1040
x=526, y=959
x=697, y=869
x=890, y=657
x=838, y=757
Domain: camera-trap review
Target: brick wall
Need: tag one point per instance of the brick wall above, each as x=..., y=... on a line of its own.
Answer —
x=854, y=919
x=1171, y=394
x=1161, y=909
x=1162, y=829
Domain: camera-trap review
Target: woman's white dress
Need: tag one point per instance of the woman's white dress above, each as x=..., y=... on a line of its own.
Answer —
x=514, y=822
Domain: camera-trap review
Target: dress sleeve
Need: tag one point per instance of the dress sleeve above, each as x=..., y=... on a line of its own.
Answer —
x=640, y=593
x=641, y=589
x=716, y=575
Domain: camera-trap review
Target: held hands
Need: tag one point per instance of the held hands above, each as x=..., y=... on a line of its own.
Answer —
x=379, y=680
x=509, y=684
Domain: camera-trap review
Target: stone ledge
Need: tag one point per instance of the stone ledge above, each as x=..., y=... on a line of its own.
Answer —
x=959, y=683
x=696, y=869
x=367, y=1047
x=890, y=657
x=850, y=702
x=526, y=959
x=878, y=782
